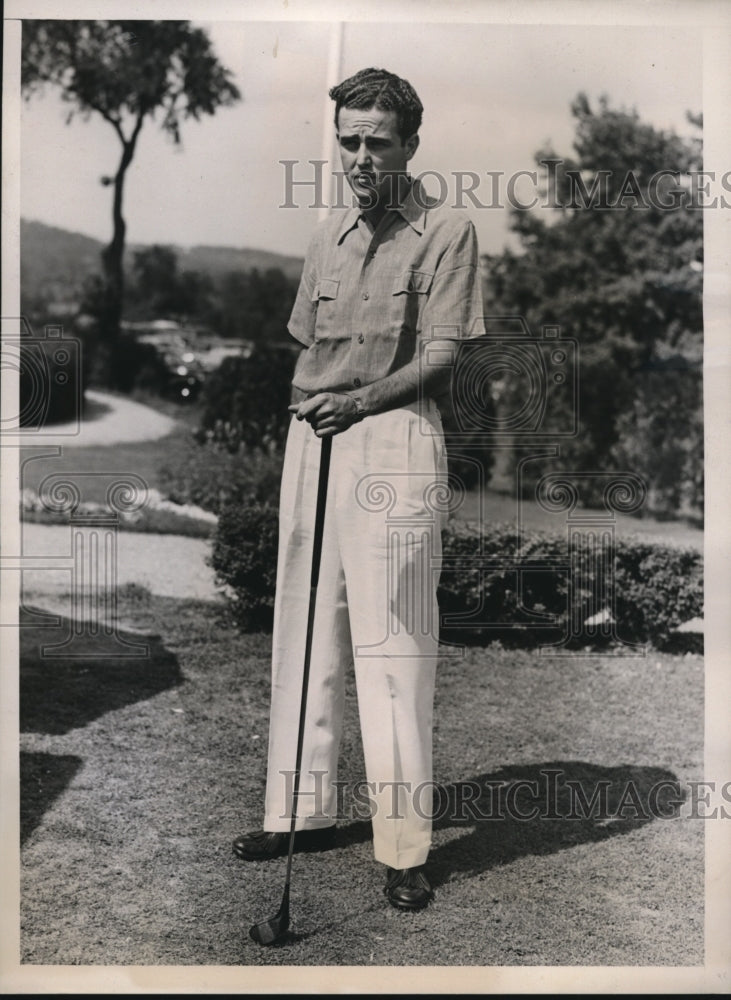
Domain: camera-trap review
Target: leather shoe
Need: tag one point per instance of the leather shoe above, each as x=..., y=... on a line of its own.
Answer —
x=261, y=845
x=408, y=888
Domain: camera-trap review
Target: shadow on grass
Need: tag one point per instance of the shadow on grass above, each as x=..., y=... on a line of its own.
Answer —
x=97, y=673
x=43, y=777
x=537, y=809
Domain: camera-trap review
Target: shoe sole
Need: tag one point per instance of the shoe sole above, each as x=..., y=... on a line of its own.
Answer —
x=409, y=907
x=258, y=857
x=305, y=849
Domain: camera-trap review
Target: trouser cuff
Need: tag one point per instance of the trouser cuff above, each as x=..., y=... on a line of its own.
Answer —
x=413, y=857
x=279, y=825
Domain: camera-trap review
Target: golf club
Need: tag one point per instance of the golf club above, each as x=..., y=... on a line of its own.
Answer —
x=273, y=930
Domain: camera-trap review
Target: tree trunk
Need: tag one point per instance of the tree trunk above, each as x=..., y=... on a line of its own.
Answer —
x=113, y=255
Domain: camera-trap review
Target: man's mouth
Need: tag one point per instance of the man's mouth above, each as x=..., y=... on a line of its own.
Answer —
x=364, y=179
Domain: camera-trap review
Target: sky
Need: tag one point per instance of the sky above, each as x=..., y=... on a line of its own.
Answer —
x=493, y=95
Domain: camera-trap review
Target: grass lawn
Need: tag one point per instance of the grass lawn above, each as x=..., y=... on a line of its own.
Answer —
x=136, y=774
x=143, y=458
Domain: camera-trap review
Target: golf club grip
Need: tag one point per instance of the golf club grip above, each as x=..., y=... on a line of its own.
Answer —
x=322, y=481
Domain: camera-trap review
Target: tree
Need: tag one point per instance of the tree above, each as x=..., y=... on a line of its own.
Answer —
x=620, y=270
x=125, y=71
x=256, y=305
x=157, y=280
x=160, y=290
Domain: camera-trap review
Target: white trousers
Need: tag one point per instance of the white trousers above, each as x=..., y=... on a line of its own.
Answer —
x=376, y=608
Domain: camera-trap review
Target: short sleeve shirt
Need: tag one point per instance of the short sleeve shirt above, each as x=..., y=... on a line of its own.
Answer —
x=367, y=297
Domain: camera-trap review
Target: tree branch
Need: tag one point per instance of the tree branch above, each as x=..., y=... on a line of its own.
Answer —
x=114, y=122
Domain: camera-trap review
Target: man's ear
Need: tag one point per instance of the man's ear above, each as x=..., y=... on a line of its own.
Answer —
x=412, y=144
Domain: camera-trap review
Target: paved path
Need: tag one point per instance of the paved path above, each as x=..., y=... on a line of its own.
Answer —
x=168, y=565
x=110, y=420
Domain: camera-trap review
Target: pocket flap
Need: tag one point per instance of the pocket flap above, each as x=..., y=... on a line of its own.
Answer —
x=326, y=288
x=413, y=281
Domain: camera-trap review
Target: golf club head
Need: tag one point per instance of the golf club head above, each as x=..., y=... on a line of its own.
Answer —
x=273, y=930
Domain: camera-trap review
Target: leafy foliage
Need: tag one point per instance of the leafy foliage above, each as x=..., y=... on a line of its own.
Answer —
x=211, y=476
x=255, y=305
x=245, y=558
x=160, y=289
x=125, y=71
x=649, y=589
x=244, y=402
x=496, y=582
x=626, y=282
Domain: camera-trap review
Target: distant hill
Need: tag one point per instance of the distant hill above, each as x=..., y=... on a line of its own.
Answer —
x=54, y=262
x=217, y=261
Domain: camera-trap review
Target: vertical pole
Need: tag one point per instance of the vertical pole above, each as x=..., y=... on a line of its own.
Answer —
x=334, y=76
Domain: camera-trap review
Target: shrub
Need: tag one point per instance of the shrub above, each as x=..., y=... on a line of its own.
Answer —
x=125, y=364
x=656, y=588
x=472, y=585
x=245, y=557
x=244, y=402
x=210, y=476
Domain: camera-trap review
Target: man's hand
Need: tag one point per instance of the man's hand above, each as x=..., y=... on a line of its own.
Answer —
x=328, y=412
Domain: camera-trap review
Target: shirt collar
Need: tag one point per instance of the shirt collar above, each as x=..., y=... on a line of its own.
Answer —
x=412, y=209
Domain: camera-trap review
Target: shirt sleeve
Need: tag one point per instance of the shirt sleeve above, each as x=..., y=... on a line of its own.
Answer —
x=301, y=323
x=454, y=308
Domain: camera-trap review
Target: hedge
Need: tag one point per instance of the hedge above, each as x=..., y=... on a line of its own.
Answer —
x=205, y=473
x=499, y=584
x=244, y=401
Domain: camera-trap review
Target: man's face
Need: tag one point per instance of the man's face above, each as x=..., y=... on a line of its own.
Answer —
x=372, y=153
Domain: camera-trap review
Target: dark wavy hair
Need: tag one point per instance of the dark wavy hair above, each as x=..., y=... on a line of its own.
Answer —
x=377, y=88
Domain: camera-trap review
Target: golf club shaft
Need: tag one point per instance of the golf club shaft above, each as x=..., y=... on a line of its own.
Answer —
x=322, y=482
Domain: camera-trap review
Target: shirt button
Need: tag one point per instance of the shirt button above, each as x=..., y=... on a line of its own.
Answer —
x=356, y=383
x=361, y=338
x=366, y=295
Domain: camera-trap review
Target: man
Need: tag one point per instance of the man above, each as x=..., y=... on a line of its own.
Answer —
x=379, y=282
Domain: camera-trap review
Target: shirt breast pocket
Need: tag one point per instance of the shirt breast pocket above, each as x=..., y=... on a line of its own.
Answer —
x=326, y=289
x=325, y=305
x=410, y=293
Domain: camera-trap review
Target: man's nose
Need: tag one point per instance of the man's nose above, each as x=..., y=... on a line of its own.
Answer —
x=364, y=156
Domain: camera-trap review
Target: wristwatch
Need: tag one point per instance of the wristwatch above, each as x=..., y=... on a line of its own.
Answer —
x=359, y=408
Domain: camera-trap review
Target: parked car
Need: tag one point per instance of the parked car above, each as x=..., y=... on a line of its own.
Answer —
x=182, y=362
